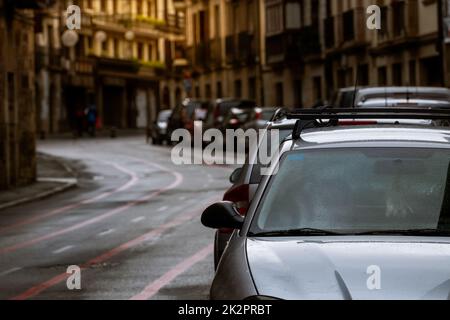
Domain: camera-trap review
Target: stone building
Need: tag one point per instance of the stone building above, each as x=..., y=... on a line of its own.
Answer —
x=225, y=46
x=326, y=44
x=127, y=61
x=297, y=53
x=17, y=108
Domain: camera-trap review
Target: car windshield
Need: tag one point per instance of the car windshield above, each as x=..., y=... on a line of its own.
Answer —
x=358, y=190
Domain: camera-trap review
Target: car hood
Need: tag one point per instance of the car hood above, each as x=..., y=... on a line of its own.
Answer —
x=337, y=268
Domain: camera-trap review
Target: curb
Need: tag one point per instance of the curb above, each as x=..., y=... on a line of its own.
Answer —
x=66, y=185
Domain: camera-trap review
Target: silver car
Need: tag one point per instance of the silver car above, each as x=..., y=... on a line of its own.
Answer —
x=348, y=213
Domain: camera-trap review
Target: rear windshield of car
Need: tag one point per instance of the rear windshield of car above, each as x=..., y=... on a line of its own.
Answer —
x=406, y=95
x=242, y=104
x=164, y=115
x=358, y=190
x=197, y=109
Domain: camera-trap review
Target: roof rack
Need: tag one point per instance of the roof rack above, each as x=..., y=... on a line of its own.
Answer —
x=313, y=118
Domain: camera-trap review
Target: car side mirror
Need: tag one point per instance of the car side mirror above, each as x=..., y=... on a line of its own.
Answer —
x=234, y=177
x=222, y=215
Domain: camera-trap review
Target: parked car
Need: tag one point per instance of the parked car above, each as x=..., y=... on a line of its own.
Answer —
x=403, y=103
x=344, y=97
x=222, y=106
x=184, y=115
x=402, y=93
x=351, y=97
x=345, y=204
x=244, y=181
x=259, y=118
x=159, y=132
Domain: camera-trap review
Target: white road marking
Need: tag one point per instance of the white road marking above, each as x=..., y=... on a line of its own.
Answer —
x=4, y=273
x=63, y=249
x=162, y=208
x=182, y=198
x=104, y=233
x=138, y=219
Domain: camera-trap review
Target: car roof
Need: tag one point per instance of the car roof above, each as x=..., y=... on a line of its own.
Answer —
x=359, y=135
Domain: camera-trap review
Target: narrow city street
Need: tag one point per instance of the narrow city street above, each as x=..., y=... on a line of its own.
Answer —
x=132, y=224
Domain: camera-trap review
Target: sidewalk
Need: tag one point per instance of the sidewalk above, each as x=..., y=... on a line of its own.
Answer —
x=53, y=176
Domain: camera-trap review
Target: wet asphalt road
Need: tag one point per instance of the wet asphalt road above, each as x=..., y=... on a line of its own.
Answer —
x=132, y=225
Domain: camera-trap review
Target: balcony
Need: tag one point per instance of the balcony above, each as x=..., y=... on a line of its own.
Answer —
x=33, y=4
x=241, y=49
x=48, y=59
x=293, y=46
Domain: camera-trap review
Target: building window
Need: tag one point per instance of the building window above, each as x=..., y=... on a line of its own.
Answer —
x=317, y=90
x=398, y=8
x=117, y=48
x=274, y=22
x=293, y=20
x=252, y=88
x=383, y=32
x=238, y=88
x=219, y=89
x=349, y=25
x=382, y=76
x=103, y=5
x=363, y=75
x=217, y=21
x=208, y=91
x=397, y=76
x=140, y=49
x=298, y=97
x=105, y=47
x=279, y=96
x=140, y=7
x=197, y=91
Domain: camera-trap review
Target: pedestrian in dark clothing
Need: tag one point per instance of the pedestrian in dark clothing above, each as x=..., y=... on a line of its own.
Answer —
x=91, y=118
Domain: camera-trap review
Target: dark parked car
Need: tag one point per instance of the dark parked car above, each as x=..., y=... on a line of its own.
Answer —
x=159, y=131
x=187, y=112
x=222, y=106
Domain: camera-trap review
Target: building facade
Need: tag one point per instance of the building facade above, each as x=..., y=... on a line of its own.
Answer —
x=225, y=46
x=17, y=111
x=297, y=53
x=127, y=58
x=341, y=51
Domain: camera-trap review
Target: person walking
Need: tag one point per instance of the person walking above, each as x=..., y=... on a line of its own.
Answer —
x=91, y=118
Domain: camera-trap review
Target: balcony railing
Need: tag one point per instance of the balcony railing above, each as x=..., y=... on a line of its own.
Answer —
x=240, y=48
x=293, y=46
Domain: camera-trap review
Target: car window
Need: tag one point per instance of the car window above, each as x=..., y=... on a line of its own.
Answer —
x=255, y=176
x=164, y=115
x=358, y=190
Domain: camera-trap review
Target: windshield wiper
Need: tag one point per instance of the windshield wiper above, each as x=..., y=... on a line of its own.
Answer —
x=294, y=232
x=408, y=232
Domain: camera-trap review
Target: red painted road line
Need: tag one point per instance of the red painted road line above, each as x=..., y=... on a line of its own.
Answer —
x=108, y=214
x=173, y=273
x=33, y=291
x=131, y=182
